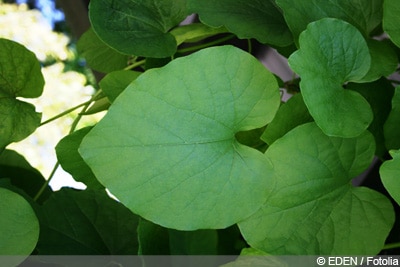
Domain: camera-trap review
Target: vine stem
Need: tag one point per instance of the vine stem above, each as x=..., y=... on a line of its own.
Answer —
x=200, y=46
x=136, y=64
x=391, y=245
x=73, y=127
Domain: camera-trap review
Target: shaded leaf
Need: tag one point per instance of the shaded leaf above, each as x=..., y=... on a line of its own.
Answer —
x=391, y=128
x=314, y=209
x=366, y=15
x=153, y=239
x=19, y=226
x=72, y=162
x=257, y=19
x=184, y=116
x=391, y=20
x=18, y=119
x=195, y=32
x=86, y=223
x=390, y=175
x=331, y=53
x=115, y=82
x=98, y=55
x=200, y=242
x=138, y=28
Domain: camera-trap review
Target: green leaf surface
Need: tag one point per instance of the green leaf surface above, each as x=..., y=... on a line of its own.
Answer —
x=366, y=15
x=20, y=76
x=331, y=53
x=391, y=128
x=86, y=223
x=291, y=114
x=21, y=174
x=115, y=82
x=138, y=28
x=199, y=242
x=153, y=239
x=99, y=56
x=314, y=209
x=258, y=19
x=195, y=32
x=379, y=95
x=390, y=175
x=384, y=60
x=19, y=226
x=167, y=147
x=391, y=20
x=72, y=162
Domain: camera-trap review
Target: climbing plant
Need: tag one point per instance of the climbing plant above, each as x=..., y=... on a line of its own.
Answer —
x=198, y=153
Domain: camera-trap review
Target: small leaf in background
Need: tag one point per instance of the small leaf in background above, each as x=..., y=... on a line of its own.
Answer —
x=258, y=19
x=314, y=209
x=366, y=15
x=390, y=175
x=391, y=128
x=98, y=55
x=138, y=28
x=199, y=242
x=167, y=147
x=115, y=82
x=86, y=222
x=71, y=161
x=20, y=76
x=19, y=226
x=195, y=32
x=391, y=20
x=15, y=167
x=379, y=95
x=290, y=114
x=331, y=53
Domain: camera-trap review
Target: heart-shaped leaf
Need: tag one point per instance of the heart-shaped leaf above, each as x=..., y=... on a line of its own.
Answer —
x=167, y=147
x=366, y=15
x=259, y=19
x=19, y=226
x=391, y=20
x=331, y=53
x=138, y=28
x=390, y=175
x=313, y=208
x=20, y=76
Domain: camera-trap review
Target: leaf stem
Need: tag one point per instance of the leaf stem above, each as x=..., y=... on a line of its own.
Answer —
x=44, y=186
x=391, y=245
x=135, y=64
x=200, y=46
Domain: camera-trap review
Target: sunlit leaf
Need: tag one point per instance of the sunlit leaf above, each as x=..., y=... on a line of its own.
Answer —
x=139, y=28
x=314, y=209
x=391, y=20
x=331, y=53
x=258, y=19
x=19, y=226
x=390, y=175
x=86, y=223
x=169, y=139
x=20, y=76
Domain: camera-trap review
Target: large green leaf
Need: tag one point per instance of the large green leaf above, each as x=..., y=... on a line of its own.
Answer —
x=20, y=76
x=313, y=208
x=331, y=53
x=391, y=128
x=390, y=175
x=138, y=28
x=257, y=19
x=366, y=15
x=167, y=147
x=19, y=226
x=98, y=55
x=86, y=223
x=391, y=20
x=72, y=162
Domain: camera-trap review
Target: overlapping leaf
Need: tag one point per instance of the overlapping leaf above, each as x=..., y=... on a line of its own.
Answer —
x=313, y=208
x=391, y=20
x=167, y=147
x=138, y=28
x=391, y=128
x=331, y=53
x=390, y=175
x=257, y=19
x=19, y=226
x=20, y=76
